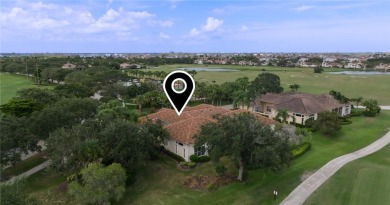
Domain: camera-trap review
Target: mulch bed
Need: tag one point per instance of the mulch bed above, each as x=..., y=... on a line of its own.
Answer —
x=200, y=182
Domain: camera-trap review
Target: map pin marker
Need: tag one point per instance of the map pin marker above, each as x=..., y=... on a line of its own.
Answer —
x=179, y=87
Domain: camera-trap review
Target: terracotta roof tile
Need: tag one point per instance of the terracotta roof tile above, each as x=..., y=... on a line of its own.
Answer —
x=182, y=128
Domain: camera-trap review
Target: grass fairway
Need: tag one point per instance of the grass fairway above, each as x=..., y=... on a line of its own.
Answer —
x=364, y=181
x=158, y=181
x=9, y=84
x=367, y=86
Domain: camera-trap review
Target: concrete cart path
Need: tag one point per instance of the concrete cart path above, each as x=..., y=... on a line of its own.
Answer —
x=306, y=188
x=31, y=171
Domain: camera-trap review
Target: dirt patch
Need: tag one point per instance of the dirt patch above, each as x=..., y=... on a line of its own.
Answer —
x=201, y=182
x=306, y=175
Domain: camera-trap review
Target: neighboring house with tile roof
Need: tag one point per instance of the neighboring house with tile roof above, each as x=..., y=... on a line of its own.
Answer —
x=69, y=66
x=183, y=128
x=301, y=106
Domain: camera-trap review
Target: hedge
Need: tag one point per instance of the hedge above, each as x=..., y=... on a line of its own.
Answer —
x=370, y=113
x=200, y=159
x=356, y=113
x=301, y=149
x=173, y=155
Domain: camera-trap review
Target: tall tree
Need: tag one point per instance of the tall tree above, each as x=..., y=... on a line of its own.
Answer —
x=14, y=193
x=245, y=140
x=328, y=123
x=265, y=83
x=16, y=139
x=100, y=185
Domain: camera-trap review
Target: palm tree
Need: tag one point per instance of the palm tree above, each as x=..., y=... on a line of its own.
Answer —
x=295, y=87
x=283, y=113
x=140, y=100
x=241, y=97
x=358, y=100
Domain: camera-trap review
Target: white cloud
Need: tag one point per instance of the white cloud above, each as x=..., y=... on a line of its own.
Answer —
x=243, y=28
x=160, y=23
x=194, y=32
x=163, y=36
x=212, y=24
x=140, y=15
x=218, y=11
x=44, y=22
x=303, y=8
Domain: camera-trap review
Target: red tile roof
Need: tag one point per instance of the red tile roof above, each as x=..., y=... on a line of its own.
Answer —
x=182, y=128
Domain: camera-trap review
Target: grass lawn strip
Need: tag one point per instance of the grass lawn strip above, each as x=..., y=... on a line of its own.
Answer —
x=24, y=165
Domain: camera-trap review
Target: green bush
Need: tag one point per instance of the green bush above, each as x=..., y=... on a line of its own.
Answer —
x=370, y=113
x=309, y=122
x=194, y=158
x=188, y=164
x=173, y=155
x=212, y=187
x=220, y=170
x=300, y=150
x=204, y=158
x=200, y=159
x=356, y=113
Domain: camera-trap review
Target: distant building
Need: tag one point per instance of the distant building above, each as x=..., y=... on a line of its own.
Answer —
x=300, y=106
x=68, y=66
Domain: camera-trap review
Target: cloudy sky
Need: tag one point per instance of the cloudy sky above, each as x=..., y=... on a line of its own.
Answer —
x=194, y=26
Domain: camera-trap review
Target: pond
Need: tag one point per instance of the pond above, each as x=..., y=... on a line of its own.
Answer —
x=208, y=69
x=360, y=73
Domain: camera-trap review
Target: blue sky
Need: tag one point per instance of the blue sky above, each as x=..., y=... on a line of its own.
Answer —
x=194, y=26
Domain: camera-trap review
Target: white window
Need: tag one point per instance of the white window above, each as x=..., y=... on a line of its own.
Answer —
x=311, y=116
x=269, y=109
x=200, y=151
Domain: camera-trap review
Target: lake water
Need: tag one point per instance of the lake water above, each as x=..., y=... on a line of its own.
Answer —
x=208, y=69
x=360, y=73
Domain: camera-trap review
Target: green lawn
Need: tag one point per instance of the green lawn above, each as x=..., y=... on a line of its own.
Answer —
x=24, y=166
x=369, y=87
x=9, y=84
x=364, y=181
x=158, y=181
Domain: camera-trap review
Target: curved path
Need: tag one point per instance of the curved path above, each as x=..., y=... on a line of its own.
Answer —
x=306, y=188
x=31, y=171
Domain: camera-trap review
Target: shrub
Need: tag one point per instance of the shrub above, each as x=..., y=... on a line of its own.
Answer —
x=194, y=158
x=220, y=170
x=200, y=159
x=188, y=164
x=212, y=187
x=356, y=113
x=173, y=155
x=318, y=70
x=309, y=122
x=370, y=113
x=300, y=150
x=204, y=158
